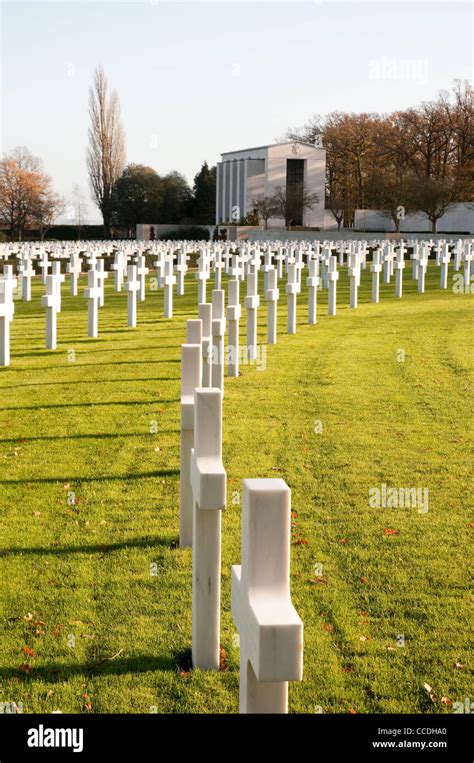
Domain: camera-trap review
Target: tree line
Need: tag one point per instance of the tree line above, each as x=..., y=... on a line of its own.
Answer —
x=417, y=160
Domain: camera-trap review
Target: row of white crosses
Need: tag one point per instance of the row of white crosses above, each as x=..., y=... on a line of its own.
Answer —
x=240, y=263
x=270, y=630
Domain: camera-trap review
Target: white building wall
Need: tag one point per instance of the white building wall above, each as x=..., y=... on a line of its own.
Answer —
x=458, y=219
x=315, y=173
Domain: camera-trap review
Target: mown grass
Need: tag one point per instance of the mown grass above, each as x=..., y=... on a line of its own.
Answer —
x=77, y=589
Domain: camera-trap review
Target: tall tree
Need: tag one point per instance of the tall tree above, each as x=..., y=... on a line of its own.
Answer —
x=106, y=149
x=204, y=196
x=176, y=199
x=137, y=197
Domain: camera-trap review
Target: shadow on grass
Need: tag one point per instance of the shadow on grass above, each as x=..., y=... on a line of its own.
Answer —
x=95, y=548
x=56, y=672
x=157, y=402
x=99, y=381
x=104, y=436
x=106, y=478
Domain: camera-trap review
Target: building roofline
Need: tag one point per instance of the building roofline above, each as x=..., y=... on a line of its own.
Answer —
x=271, y=145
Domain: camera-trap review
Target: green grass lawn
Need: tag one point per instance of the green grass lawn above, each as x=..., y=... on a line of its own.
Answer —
x=87, y=627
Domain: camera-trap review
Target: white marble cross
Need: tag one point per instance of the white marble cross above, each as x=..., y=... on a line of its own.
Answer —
x=7, y=309
x=312, y=283
x=44, y=265
x=181, y=270
x=444, y=259
x=375, y=269
x=202, y=276
x=467, y=258
x=102, y=275
x=291, y=291
x=142, y=271
x=131, y=287
x=191, y=372
x=270, y=630
x=74, y=268
x=233, y=312
x=399, y=266
x=168, y=282
x=209, y=484
x=92, y=294
x=218, y=332
x=332, y=277
x=218, y=267
x=58, y=280
x=27, y=274
x=117, y=267
x=422, y=266
x=267, y=267
x=353, y=272
x=205, y=314
x=272, y=295
x=51, y=301
x=252, y=302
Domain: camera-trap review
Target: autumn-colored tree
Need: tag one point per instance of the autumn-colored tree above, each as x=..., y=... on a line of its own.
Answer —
x=27, y=199
x=406, y=159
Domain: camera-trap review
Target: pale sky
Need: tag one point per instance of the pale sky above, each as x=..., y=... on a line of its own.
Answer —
x=198, y=78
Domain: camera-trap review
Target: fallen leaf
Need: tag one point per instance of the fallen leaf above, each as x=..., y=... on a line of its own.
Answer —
x=352, y=711
x=319, y=579
x=459, y=665
x=344, y=541
x=388, y=531
x=429, y=692
x=301, y=542
x=328, y=627
x=25, y=668
x=446, y=701
x=223, y=660
x=363, y=579
x=29, y=652
x=364, y=638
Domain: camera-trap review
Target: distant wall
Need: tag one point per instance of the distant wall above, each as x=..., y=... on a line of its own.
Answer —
x=144, y=230
x=282, y=234
x=458, y=219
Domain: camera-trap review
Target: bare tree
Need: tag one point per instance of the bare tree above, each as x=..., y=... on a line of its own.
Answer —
x=434, y=197
x=264, y=208
x=79, y=206
x=106, y=149
x=290, y=204
x=47, y=208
